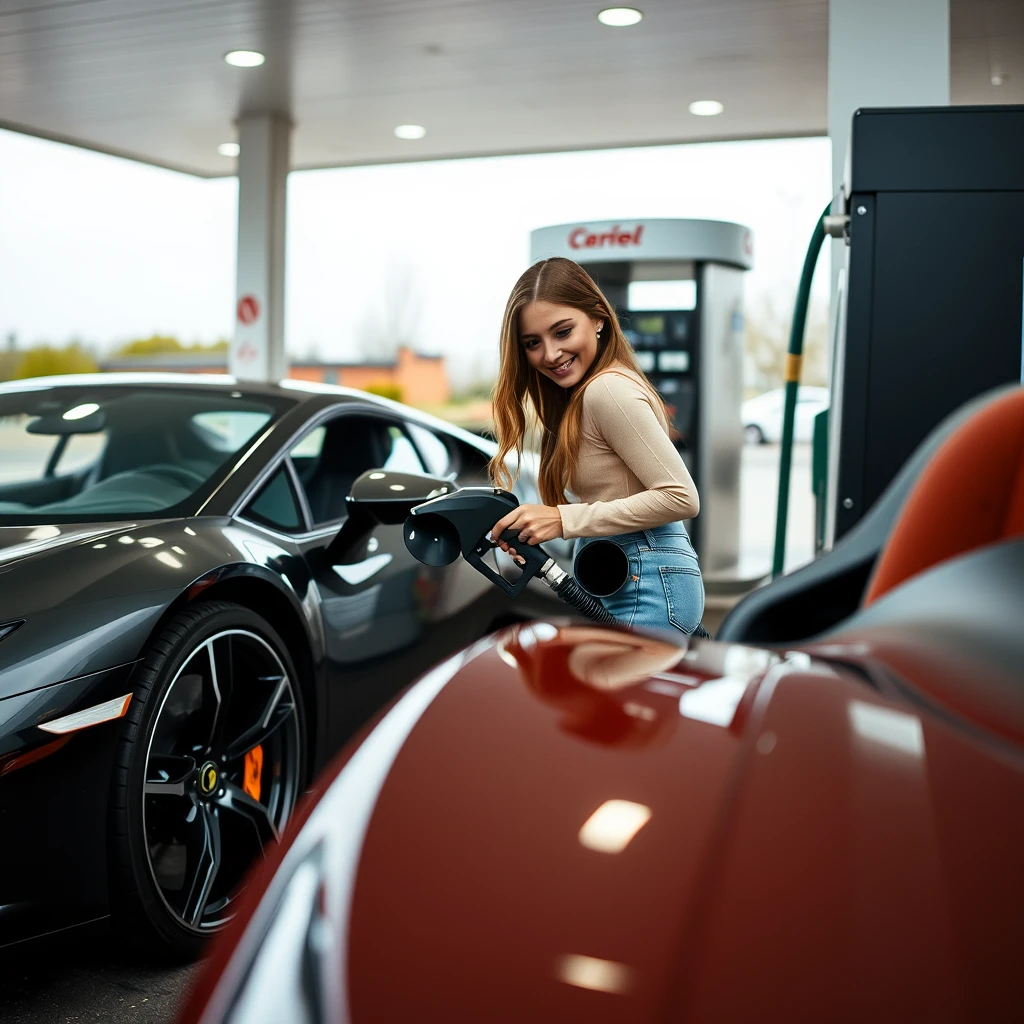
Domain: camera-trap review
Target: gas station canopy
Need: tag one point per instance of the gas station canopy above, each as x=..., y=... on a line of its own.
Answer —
x=148, y=80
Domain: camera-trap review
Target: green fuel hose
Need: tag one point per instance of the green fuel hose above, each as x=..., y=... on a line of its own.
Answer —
x=794, y=358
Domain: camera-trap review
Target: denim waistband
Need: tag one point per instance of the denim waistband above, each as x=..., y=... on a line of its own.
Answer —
x=656, y=535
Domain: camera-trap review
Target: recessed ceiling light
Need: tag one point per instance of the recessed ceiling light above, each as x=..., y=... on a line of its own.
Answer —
x=229, y=149
x=706, y=108
x=998, y=79
x=244, y=58
x=410, y=131
x=619, y=17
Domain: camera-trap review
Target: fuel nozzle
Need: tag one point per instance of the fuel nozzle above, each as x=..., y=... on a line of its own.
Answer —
x=441, y=529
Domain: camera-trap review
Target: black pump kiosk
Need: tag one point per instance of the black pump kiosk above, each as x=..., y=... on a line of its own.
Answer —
x=677, y=287
x=931, y=309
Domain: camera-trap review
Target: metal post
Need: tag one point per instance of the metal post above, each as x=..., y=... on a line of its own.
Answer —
x=881, y=54
x=257, y=350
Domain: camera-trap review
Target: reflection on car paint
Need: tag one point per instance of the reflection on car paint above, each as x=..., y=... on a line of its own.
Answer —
x=714, y=701
x=612, y=827
x=595, y=974
x=360, y=572
x=891, y=728
x=348, y=615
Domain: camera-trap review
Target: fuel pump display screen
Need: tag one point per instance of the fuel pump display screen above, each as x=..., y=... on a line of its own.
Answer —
x=662, y=342
x=650, y=326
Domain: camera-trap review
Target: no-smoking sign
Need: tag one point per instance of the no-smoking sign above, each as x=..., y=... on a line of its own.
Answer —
x=248, y=309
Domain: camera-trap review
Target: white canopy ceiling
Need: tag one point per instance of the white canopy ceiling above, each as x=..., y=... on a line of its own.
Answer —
x=146, y=79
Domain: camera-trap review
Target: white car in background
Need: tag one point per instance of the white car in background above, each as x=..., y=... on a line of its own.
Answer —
x=762, y=416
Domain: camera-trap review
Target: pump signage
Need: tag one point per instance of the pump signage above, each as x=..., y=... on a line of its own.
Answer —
x=650, y=240
x=248, y=309
x=614, y=237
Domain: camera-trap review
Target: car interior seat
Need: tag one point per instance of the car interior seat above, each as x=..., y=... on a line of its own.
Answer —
x=820, y=595
x=128, y=449
x=970, y=494
x=351, y=446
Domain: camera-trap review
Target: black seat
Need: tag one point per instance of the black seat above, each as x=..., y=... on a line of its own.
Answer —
x=351, y=446
x=824, y=593
x=133, y=449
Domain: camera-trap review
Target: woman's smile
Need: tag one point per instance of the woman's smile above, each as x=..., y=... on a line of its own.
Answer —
x=560, y=341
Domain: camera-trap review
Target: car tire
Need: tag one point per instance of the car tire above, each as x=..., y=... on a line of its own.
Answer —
x=753, y=434
x=193, y=801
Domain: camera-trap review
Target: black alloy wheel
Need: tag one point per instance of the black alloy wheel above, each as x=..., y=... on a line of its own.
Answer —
x=208, y=770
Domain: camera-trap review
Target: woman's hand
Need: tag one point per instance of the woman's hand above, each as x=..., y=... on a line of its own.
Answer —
x=534, y=524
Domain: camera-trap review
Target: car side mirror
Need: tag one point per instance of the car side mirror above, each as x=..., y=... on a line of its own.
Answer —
x=389, y=497
x=381, y=497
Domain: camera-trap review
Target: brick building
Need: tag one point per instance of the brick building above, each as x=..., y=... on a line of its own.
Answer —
x=423, y=380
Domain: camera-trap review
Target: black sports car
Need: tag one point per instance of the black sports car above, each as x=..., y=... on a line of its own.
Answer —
x=181, y=645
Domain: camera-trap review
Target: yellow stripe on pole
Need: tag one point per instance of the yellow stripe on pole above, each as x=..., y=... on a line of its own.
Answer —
x=793, y=368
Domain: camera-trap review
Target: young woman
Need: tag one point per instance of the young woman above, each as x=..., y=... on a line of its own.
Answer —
x=605, y=439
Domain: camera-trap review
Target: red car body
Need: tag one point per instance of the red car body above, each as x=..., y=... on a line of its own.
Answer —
x=567, y=823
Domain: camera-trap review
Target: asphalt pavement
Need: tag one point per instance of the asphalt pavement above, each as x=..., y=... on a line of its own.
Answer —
x=88, y=981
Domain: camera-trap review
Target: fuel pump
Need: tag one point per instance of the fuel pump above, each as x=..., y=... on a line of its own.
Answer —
x=677, y=288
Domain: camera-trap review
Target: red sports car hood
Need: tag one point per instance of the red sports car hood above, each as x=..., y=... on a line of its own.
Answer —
x=551, y=824
x=575, y=824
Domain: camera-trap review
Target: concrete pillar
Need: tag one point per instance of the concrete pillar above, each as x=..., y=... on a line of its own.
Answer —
x=257, y=350
x=881, y=53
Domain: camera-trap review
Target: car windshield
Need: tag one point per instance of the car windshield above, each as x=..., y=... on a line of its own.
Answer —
x=85, y=453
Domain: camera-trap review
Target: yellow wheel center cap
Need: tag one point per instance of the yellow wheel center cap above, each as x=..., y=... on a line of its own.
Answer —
x=208, y=778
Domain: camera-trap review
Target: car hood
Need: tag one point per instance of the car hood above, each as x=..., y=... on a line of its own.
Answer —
x=571, y=823
x=554, y=808
x=88, y=595
x=18, y=542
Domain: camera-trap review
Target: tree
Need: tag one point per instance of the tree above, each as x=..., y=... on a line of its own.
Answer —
x=48, y=361
x=385, y=389
x=394, y=326
x=9, y=363
x=156, y=345
x=162, y=344
x=767, y=341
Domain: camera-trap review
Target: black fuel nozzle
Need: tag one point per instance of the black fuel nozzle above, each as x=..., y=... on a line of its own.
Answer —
x=441, y=529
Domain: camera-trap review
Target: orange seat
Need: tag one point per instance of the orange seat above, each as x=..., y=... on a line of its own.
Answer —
x=970, y=495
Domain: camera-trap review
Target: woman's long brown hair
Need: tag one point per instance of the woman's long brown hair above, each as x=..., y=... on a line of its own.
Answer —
x=520, y=386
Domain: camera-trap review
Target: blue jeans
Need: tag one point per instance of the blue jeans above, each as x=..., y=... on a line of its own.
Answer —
x=664, y=589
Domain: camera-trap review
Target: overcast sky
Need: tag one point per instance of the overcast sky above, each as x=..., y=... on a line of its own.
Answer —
x=105, y=250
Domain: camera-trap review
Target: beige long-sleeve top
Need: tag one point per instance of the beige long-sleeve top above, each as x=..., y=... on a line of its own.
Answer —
x=629, y=475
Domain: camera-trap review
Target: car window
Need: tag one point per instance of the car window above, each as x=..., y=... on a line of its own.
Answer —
x=434, y=451
x=26, y=456
x=306, y=453
x=226, y=430
x=81, y=451
x=96, y=451
x=402, y=457
x=330, y=458
x=276, y=504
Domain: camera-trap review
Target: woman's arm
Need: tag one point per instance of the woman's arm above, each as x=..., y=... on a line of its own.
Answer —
x=622, y=411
